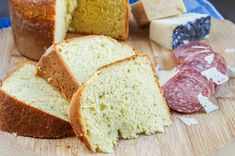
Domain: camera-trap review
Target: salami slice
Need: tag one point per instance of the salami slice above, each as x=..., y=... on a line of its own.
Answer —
x=200, y=62
x=181, y=52
x=194, y=74
x=182, y=92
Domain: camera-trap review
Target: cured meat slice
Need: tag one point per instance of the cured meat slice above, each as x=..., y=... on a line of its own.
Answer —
x=194, y=74
x=205, y=61
x=184, y=51
x=182, y=91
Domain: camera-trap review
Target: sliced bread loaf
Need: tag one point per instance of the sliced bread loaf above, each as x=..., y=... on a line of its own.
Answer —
x=120, y=100
x=37, y=24
x=31, y=107
x=68, y=64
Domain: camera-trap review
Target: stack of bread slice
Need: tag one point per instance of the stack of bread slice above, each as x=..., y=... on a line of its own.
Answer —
x=114, y=94
x=68, y=64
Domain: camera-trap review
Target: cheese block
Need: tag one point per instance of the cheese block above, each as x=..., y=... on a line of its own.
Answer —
x=37, y=24
x=181, y=29
x=31, y=107
x=145, y=11
x=68, y=64
x=120, y=100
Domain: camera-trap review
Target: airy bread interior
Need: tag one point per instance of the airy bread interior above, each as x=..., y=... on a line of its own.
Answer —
x=101, y=17
x=91, y=17
x=34, y=91
x=121, y=101
x=64, y=10
x=84, y=56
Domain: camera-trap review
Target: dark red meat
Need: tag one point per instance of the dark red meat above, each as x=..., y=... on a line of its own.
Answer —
x=210, y=86
x=182, y=91
x=199, y=63
x=181, y=52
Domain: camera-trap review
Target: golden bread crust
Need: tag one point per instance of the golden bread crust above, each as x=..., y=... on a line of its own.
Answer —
x=33, y=25
x=139, y=13
x=125, y=36
x=53, y=70
x=20, y=118
x=76, y=118
x=23, y=119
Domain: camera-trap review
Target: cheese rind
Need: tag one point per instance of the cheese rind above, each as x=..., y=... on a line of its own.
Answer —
x=178, y=30
x=146, y=10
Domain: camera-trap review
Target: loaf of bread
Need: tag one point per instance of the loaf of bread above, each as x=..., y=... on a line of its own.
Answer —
x=38, y=24
x=31, y=107
x=145, y=11
x=120, y=100
x=68, y=64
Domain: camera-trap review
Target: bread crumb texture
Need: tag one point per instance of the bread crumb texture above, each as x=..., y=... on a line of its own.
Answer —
x=101, y=17
x=84, y=56
x=121, y=101
x=34, y=91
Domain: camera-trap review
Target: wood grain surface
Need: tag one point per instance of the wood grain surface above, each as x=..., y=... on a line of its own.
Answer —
x=213, y=131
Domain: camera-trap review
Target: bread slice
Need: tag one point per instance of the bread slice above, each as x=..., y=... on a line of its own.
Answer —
x=102, y=17
x=145, y=11
x=38, y=24
x=120, y=100
x=68, y=64
x=31, y=107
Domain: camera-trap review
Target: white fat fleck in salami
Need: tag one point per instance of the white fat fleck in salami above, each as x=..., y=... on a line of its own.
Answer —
x=215, y=76
x=186, y=41
x=188, y=121
x=209, y=58
x=207, y=104
x=200, y=47
x=204, y=51
x=165, y=75
x=181, y=53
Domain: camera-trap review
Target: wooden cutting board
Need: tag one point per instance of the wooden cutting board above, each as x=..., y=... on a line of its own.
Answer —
x=213, y=131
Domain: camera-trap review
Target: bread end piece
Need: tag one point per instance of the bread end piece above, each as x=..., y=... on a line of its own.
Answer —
x=23, y=119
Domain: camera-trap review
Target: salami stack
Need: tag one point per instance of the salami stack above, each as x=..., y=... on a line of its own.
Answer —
x=183, y=90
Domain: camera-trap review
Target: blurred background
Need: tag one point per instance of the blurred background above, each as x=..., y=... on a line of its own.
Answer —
x=225, y=7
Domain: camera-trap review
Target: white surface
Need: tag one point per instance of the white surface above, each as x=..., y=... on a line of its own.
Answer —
x=207, y=104
x=188, y=121
x=215, y=76
x=181, y=19
x=229, y=50
x=209, y=58
x=165, y=75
